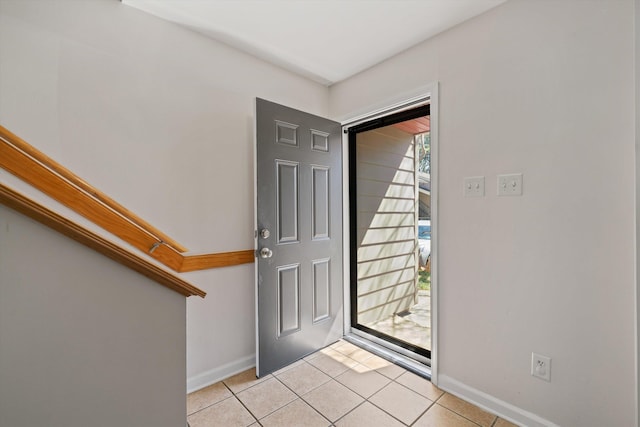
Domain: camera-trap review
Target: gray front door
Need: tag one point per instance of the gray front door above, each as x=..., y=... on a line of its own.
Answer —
x=299, y=240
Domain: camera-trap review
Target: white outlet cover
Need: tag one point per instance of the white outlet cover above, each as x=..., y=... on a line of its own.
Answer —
x=510, y=185
x=541, y=366
x=474, y=186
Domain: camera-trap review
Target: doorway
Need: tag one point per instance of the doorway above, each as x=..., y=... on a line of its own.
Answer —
x=390, y=231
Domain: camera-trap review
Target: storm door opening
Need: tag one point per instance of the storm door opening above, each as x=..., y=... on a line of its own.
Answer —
x=390, y=210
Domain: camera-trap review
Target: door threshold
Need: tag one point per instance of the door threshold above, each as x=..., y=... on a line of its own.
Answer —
x=421, y=369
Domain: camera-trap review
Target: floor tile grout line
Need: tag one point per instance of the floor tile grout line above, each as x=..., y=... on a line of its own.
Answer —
x=393, y=416
x=462, y=415
x=295, y=392
x=299, y=397
x=313, y=407
x=419, y=394
x=209, y=406
x=277, y=409
x=386, y=412
x=266, y=377
x=348, y=359
x=366, y=399
x=422, y=414
x=234, y=394
x=256, y=419
x=334, y=378
x=351, y=410
x=433, y=402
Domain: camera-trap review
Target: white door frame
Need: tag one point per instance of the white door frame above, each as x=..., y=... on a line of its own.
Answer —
x=423, y=95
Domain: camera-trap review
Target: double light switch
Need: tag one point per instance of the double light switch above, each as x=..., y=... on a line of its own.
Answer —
x=508, y=185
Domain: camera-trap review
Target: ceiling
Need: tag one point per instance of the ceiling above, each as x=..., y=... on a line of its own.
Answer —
x=414, y=126
x=324, y=40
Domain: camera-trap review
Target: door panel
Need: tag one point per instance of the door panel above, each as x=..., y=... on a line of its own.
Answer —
x=287, y=201
x=299, y=201
x=320, y=200
x=288, y=307
x=321, y=290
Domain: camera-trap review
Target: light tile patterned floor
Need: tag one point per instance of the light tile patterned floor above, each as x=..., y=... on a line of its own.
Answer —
x=341, y=385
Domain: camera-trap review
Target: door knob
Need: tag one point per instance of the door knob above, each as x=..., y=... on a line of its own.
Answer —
x=264, y=233
x=266, y=253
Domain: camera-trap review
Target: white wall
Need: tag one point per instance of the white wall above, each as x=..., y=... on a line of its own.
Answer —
x=637, y=111
x=161, y=119
x=84, y=341
x=543, y=88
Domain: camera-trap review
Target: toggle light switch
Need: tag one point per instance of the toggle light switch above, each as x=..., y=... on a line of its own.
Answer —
x=510, y=185
x=474, y=186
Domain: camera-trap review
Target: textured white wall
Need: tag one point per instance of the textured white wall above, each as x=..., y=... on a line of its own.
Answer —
x=637, y=193
x=84, y=341
x=161, y=119
x=543, y=88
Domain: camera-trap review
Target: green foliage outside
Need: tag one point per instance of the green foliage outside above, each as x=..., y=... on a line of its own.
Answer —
x=424, y=152
x=424, y=166
x=424, y=280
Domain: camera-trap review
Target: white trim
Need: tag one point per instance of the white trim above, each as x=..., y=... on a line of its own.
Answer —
x=375, y=342
x=637, y=222
x=255, y=227
x=492, y=404
x=434, y=100
x=427, y=94
x=218, y=374
x=393, y=104
x=387, y=351
x=346, y=241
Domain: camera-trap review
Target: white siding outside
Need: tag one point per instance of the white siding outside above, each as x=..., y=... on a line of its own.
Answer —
x=386, y=223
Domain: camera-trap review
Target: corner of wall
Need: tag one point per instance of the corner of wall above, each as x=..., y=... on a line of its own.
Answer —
x=637, y=249
x=220, y=373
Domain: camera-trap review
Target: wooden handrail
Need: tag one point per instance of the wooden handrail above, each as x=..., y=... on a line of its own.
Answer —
x=48, y=176
x=203, y=262
x=34, y=210
x=29, y=170
x=54, y=166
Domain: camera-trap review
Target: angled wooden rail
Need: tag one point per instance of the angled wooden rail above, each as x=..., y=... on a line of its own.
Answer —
x=48, y=176
x=72, y=178
x=30, y=208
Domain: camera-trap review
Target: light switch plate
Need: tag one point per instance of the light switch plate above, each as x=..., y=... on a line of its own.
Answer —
x=474, y=186
x=510, y=185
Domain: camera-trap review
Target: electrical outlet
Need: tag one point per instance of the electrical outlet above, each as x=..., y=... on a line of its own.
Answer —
x=510, y=185
x=541, y=366
x=474, y=186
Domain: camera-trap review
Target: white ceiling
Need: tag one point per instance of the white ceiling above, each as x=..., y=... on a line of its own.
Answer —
x=325, y=40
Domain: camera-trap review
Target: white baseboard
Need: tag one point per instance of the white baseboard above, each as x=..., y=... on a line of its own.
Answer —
x=492, y=404
x=218, y=374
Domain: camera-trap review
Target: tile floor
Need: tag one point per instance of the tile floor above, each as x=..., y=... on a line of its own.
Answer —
x=341, y=385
